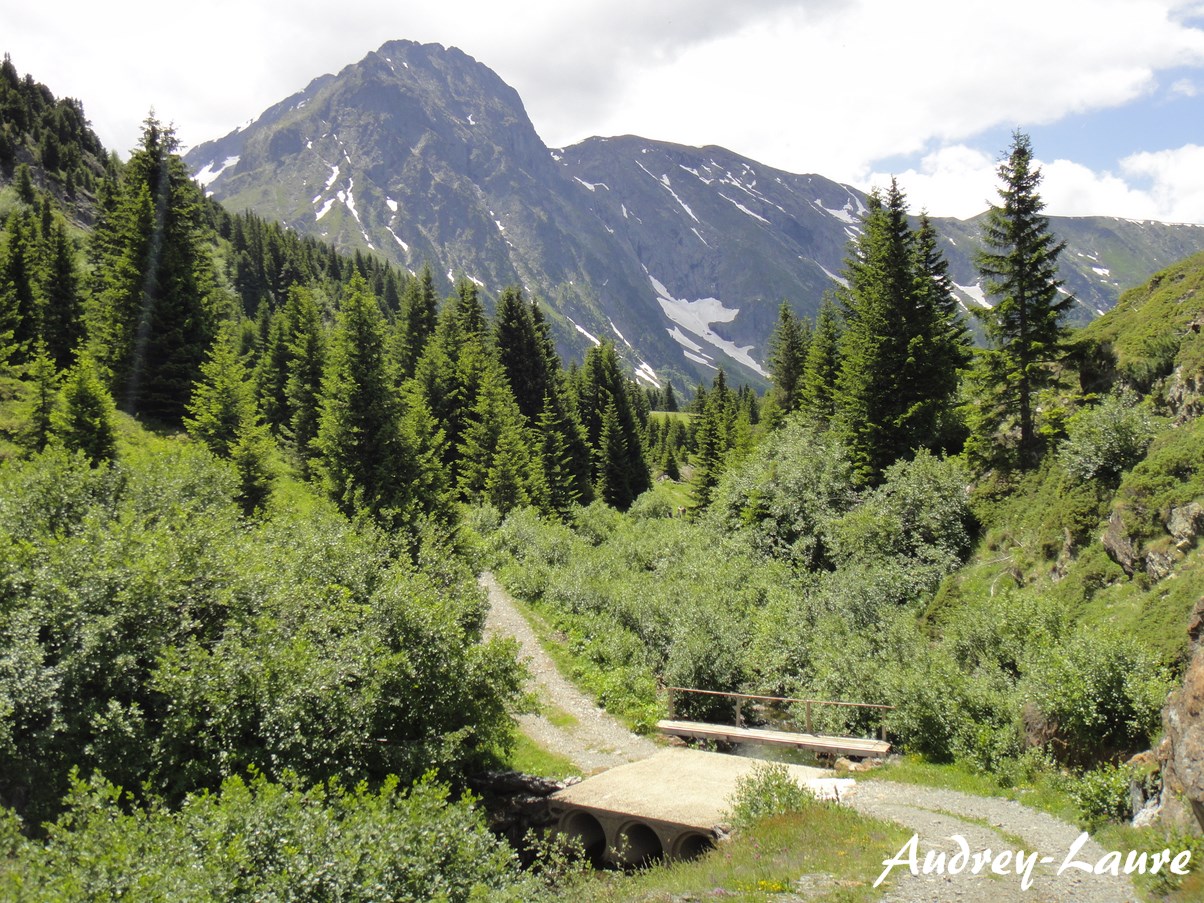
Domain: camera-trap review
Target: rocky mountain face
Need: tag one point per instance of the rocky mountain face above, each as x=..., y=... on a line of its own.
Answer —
x=680, y=255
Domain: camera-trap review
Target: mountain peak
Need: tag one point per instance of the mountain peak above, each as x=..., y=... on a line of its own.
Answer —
x=681, y=255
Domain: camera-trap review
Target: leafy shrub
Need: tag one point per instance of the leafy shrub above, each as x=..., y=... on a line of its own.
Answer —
x=1098, y=693
x=781, y=498
x=149, y=632
x=1102, y=795
x=268, y=841
x=766, y=791
x=1106, y=440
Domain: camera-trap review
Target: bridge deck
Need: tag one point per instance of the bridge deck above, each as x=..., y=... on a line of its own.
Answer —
x=841, y=746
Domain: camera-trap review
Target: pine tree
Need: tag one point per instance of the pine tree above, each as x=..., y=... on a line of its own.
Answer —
x=20, y=310
x=416, y=321
x=83, y=418
x=44, y=395
x=153, y=320
x=600, y=385
x=62, y=307
x=873, y=344
x=902, y=343
x=787, y=360
x=364, y=458
x=222, y=407
x=670, y=403
x=306, y=363
x=1019, y=262
x=817, y=395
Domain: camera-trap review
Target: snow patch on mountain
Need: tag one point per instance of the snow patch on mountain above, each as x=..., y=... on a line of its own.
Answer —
x=620, y=335
x=207, y=175
x=974, y=293
x=831, y=275
x=696, y=318
x=744, y=209
x=391, y=204
x=646, y=373
x=325, y=209
x=592, y=186
x=663, y=181
x=584, y=332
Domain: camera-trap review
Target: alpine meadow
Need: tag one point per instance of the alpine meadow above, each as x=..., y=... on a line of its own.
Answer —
x=263, y=452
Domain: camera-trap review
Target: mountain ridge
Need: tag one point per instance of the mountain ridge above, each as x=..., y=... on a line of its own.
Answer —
x=680, y=255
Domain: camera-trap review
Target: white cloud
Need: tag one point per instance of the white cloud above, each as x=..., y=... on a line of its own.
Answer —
x=823, y=87
x=961, y=181
x=1176, y=180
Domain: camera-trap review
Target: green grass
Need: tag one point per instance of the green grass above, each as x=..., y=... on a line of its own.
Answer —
x=827, y=853
x=558, y=716
x=1163, y=888
x=531, y=758
x=586, y=675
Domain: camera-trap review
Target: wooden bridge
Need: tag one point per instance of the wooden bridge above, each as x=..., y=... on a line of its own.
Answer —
x=808, y=739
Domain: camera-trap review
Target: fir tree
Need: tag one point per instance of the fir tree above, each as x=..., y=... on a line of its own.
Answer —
x=365, y=460
x=787, y=360
x=153, y=320
x=416, y=322
x=600, y=385
x=1019, y=262
x=20, y=310
x=43, y=398
x=902, y=344
x=62, y=307
x=306, y=363
x=83, y=418
x=222, y=408
x=817, y=395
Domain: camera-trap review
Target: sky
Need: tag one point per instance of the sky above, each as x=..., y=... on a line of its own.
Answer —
x=1111, y=92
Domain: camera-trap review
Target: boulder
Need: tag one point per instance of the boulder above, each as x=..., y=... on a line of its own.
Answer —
x=1119, y=544
x=1185, y=524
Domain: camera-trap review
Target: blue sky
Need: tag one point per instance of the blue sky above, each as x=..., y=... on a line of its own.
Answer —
x=929, y=91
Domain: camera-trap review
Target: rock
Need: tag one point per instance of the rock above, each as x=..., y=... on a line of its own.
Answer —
x=1119, y=544
x=1182, y=750
x=1186, y=523
x=1160, y=563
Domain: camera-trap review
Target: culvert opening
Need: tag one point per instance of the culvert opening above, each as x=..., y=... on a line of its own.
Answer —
x=581, y=826
x=691, y=846
x=637, y=845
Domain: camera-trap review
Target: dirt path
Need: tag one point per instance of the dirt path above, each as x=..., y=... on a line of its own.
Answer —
x=986, y=824
x=584, y=733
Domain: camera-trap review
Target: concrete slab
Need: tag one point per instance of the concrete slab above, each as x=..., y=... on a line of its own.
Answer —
x=686, y=787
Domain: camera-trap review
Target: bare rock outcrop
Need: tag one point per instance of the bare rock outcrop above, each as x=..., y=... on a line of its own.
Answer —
x=1182, y=751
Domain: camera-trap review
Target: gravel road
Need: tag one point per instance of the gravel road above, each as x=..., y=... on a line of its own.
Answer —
x=998, y=825
x=596, y=740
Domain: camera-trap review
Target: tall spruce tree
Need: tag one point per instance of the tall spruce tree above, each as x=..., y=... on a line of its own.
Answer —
x=83, y=419
x=154, y=320
x=787, y=360
x=1019, y=261
x=365, y=461
x=617, y=464
x=901, y=347
x=306, y=363
x=818, y=391
x=416, y=321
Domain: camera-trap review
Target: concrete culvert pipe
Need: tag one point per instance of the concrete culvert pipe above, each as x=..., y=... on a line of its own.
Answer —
x=581, y=826
x=637, y=844
x=691, y=846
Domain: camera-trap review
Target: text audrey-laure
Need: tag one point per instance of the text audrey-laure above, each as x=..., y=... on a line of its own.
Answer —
x=1021, y=864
